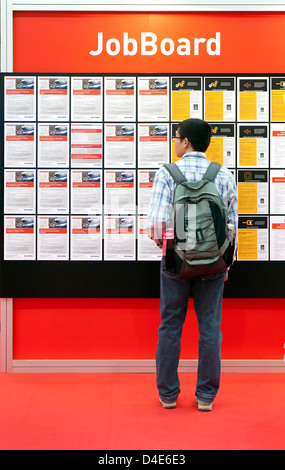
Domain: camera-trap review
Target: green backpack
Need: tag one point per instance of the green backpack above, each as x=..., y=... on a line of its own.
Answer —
x=200, y=245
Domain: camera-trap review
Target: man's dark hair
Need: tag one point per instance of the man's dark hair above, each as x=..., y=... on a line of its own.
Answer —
x=198, y=133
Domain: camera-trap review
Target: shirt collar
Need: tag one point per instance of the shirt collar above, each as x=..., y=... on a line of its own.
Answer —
x=195, y=154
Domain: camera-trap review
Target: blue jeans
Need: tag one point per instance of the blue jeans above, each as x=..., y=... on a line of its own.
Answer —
x=207, y=294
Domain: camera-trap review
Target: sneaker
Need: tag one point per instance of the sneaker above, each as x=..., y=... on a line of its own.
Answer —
x=204, y=405
x=167, y=405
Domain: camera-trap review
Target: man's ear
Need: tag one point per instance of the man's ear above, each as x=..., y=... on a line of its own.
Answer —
x=188, y=145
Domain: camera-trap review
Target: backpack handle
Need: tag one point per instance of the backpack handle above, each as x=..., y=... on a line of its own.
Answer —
x=176, y=174
x=212, y=171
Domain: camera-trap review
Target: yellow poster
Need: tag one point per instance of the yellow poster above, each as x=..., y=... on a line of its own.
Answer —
x=180, y=105
x=219, y=99
x=222, y=146
x=253, y=99
x=214, y=106
x=253, y=238
x=247, y=152
x=247, y=244
x=215, y=150
x=186, y=98
x=247, y=198
x=247, y=106
x=278, y=105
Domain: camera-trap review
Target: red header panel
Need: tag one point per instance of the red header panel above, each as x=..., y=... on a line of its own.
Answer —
x=91, y=42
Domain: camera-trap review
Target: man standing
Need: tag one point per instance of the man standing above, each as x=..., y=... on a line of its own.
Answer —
x=191, y=141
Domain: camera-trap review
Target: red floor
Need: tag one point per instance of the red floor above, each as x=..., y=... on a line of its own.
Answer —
x=122, y=412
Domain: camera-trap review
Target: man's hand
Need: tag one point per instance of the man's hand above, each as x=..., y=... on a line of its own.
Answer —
x=155, y=232
x=159, y=243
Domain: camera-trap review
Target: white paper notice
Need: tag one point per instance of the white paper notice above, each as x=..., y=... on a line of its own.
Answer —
x=53, y=98
x=19, y=238
x=120, y=99
x=119, y=192
x=86, y=192
x=53, y=145
x=86, y=98
x=20, y=145
x=145, y=183
x=119, y=238
x=277, y=238
x=277, y=146
x=20, y=102
x=86, y=145
x=119, y=146
x=53, y=238
x=153, y=145
x=86, y=238
x=53, y=191
x=277, y=191
x=19, y=192
x=153, y=99
x=147, y=249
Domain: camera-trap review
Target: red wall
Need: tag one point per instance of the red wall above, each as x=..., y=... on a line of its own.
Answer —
x=127, y=329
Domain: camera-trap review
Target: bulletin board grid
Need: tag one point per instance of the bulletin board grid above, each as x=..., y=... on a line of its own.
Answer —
x=134, y=276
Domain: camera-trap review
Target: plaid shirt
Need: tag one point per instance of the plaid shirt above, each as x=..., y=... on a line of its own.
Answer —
x=193, y=165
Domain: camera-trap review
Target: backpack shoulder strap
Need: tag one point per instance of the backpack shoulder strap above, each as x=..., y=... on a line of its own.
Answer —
x=212, y=171
x=176, y=174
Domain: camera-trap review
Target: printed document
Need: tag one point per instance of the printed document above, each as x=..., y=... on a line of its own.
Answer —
x=86, y=192
x=53, y=145
x=120, y=146
x=53, y=192
x=86, y=98
x=19, y=197
x=86, y=145
x=119, y=193
x=20, y=101
x=53, y=238
x=119, y=238
x=20, y=145
x=153, y=145
x=19, y=238
x=153, y=99
x=53, y=98
x=120, y=99
x=86, y=238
